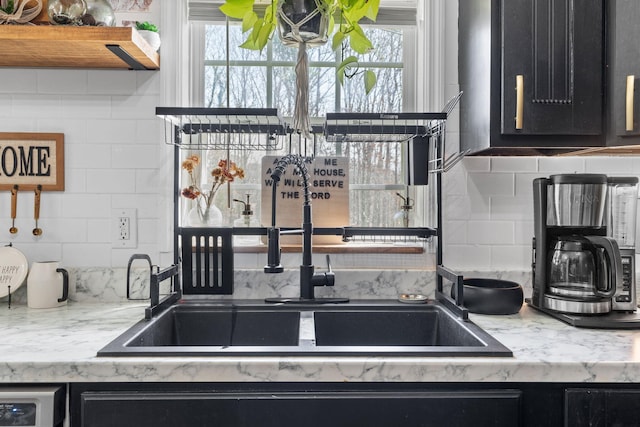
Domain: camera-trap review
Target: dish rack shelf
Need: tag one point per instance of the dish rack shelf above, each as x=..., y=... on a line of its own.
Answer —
x=264, y=130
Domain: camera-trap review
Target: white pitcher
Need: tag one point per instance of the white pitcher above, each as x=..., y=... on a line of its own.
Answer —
x=47, y=285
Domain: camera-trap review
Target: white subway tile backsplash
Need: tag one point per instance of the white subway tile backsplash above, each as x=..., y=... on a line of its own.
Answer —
x=510, y=258
x=109, y=181
x=455, y=232
x=147, y=231
x=88, y=156
x=22, y=81
x=473, y=257
x=610, y=165
x=511, y=208
x=134, y=156
x=86, y=206
x=477, y=164
x=554, y=165
x=86, y=107
x=88, y=254
x=146, y=205
x=454, y=182
x=150, y=132
x=106, y=82
x=75, y=180
x=491, y=184
x=514, y=164
x=108, y=131
x=99, y=230
x=74, y=131
x=524, y=232
x=524, y=184
x=72, y=230
x=491, y=232
x=134, y=107
x=62, y=81
x=149, y=181
x=42, y=251
x=36, y=105
x=147, y=82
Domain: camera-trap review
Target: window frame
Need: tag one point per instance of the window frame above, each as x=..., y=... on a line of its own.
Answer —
x=415, y=87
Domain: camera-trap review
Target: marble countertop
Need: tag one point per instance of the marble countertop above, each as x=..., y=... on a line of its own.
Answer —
x=60, y=345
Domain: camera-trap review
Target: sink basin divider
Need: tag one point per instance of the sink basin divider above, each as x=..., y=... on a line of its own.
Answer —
x=307, y=331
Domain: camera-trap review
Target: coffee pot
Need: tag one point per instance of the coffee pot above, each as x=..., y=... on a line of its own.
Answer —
x=583, y=272
x=576, y=267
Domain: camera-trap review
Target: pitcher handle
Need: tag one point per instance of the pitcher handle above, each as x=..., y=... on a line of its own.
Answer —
x=612, y=253
x=65, y=284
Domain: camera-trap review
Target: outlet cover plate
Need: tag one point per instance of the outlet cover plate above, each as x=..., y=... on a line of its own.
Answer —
x=124, y=237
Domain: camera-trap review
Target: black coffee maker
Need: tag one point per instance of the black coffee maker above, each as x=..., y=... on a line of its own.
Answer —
x=576, y=267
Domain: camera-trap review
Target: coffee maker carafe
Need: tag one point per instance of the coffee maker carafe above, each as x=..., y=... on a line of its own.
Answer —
x=576, y=267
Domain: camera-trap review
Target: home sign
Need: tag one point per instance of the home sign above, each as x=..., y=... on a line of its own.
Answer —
x=32, y=159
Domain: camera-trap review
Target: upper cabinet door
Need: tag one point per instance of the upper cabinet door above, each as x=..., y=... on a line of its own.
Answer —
x=623, y=65
x=552, y=62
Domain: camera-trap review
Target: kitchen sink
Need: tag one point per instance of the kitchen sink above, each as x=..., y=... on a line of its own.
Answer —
x=380, y=328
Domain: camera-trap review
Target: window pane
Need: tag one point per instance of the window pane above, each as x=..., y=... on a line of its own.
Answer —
x=385, y=97
x=247, y=87
x=267, y=79
x=216, y=45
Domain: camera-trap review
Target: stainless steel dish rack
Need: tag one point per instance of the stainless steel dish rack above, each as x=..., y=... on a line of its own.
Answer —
x=206, y=254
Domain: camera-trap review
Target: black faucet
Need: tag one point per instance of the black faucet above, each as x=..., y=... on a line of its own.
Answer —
x=308, y=280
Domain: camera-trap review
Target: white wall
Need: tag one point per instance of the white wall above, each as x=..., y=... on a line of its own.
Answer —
x=114, y=158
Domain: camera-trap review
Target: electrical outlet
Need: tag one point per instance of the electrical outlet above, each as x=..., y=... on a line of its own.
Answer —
x=124, y=230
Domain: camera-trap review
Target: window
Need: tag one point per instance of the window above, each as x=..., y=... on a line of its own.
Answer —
x=266, y=79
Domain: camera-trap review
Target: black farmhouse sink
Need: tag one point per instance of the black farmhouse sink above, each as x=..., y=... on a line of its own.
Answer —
x=386, y=328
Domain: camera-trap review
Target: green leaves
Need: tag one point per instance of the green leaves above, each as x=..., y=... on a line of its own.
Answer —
x=8, y=9
x=237, y=8
x=259, y=29
x=370, y=81
x=347, y=12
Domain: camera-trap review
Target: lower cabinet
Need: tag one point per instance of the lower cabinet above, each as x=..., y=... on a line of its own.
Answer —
x=309, y=409
x=596, y=407
x=353, y=404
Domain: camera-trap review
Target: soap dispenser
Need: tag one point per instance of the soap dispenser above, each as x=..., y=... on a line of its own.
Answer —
x=246, y=220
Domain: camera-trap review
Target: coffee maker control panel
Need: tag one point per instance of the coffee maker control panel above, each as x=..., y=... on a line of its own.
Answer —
x=625, y=297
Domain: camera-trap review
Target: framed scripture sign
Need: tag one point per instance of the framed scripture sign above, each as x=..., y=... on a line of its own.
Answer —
x=329, y=186
x=31, y=159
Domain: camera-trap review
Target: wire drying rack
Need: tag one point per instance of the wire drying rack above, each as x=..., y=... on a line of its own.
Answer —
x=259, y=129
x=262, y=129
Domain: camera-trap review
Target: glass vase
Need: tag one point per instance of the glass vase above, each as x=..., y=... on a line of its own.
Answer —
x=66, y=12
x=209, y=216
x=99, y=13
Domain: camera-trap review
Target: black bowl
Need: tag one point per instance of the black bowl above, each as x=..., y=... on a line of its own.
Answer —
x=491, y=296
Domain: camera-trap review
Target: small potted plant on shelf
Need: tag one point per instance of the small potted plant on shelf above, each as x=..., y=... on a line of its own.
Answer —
x=149, y=32
x=305, y=23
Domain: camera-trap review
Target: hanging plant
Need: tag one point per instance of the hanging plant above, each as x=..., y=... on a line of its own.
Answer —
x=343, y=17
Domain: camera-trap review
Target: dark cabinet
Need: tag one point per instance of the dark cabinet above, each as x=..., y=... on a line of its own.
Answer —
x=295, y=408
x=623, y=68
x=602, y=408
x=551, y=77
x=532, y=73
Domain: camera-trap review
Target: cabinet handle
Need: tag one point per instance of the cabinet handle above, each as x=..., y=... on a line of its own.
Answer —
x=519, y=101
x=629, y=99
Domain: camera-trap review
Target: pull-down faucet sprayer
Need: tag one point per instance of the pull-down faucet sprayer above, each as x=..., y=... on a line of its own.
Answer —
x=308, y=280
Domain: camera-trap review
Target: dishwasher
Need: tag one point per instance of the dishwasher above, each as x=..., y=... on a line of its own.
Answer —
x=32, y=405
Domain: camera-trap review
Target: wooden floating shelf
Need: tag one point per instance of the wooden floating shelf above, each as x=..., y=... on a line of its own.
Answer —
x=75, y=47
